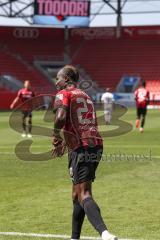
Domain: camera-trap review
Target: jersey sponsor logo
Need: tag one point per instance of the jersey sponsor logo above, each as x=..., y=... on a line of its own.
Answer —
x=26, y=96
x=59, y=97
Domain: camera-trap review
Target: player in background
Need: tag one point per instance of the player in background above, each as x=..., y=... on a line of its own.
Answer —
x=75, y=115
x=24, y=95
x=107, y=99
x=142, y=100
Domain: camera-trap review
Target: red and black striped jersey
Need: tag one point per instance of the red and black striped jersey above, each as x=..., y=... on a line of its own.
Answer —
x=81, y=128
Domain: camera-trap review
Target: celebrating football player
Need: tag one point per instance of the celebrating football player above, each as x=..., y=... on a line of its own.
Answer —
x=75, y=114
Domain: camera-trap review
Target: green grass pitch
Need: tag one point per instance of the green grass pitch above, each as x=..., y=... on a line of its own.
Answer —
x=35, y=197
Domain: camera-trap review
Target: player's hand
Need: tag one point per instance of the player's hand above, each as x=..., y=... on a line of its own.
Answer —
x=59, y=150
x=59, y=146
x=56, y=140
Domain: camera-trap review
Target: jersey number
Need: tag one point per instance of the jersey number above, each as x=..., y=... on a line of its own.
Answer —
x=85, y=109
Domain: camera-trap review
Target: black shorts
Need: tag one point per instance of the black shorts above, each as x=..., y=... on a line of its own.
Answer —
x=83, y=163
x=26, y=114
x=141, y=112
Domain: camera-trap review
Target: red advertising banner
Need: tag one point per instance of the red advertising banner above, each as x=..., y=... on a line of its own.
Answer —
x=140, y=32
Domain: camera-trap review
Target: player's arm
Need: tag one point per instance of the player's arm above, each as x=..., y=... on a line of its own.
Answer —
x=60, y=120
x=57, y=141
x=136, y=95
x=61, y=106
x=14, y=102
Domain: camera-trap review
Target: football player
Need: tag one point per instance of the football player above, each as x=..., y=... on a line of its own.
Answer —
x=23, y=96
x=142, y=100
x=75, y=115
x=107, y=99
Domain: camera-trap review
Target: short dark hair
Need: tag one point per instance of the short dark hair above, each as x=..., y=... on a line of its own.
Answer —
x=143, y=83
x=71, y=72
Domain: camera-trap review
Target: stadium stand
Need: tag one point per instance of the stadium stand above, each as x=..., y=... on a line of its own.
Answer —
x=20, y=48
x=109, y=60
x=96, y=51
x=153, y=86
x=6, y=98
x=14, y=67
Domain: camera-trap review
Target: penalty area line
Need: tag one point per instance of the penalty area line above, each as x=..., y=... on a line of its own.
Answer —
x=54, y=236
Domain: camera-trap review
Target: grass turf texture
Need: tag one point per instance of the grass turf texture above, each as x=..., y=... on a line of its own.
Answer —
x=36, y=196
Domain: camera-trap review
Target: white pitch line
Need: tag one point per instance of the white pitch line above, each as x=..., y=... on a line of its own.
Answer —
x=49, y=236
x=8, y=153
x=109, y=145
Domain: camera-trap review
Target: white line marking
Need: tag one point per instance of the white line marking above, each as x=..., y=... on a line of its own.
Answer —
x=8, y=153
x=49, y=236
x=109, y=145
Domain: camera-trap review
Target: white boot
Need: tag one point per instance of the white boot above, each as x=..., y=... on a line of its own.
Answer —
x=24, y=134
x=108, y=236
x=29, y=135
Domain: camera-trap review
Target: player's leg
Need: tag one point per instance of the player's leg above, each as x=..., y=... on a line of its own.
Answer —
x=92, y=210
x=144, y=111
x=24, y=124
x=110, y=108
x=90, y=207
x=107, y=116
x=29, y=125
x=138, y=117
x=110, y=115
x=78, y=211
x=77, y=216
x=143, y=121
x=87, y=166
